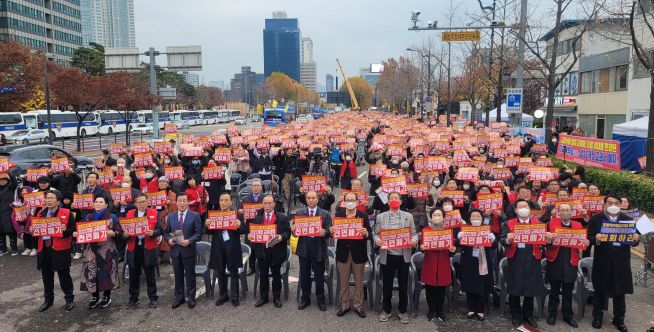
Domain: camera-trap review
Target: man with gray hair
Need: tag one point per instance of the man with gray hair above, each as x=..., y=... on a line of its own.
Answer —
x=256, y=196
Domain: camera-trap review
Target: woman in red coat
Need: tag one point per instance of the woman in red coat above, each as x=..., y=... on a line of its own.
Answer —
x=197, y=197
x=436, y=271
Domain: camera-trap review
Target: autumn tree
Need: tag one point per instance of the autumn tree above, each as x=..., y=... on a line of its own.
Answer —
x=362, y=91
x=206, y=97
x=21, y=74
x=397, y=82
x=279, y=86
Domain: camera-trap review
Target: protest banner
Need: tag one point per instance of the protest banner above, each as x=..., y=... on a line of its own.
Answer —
x=570, y=238
x=82, y=201
x=33, y=174
x=92, y=231
x=594, y=152
x=579, y=193
x=529, y=233
x=347, y=228
x=34, y=199
x=117, y=148
x=549, y=199
x=47, y=227
x=397, y=238
x=433, y=239
x=314, y=183
x=594, y=204
x=193, y=151
x=222, y=220
x=435, y=164
x=456, y=195
x=141, y=147
x=163, y=147
x=262, y=233
x=544, y=162
x=418, y=190
x=543, y=174
x=575, y=205
x=398, y=184
x=490, y=202
x=395, y=150
x=22, y=213
x=59, y=165
x=121, y=194
x=157, y=198
x=618, y=232
x=475, y=236
x=250, y=210
x=307, y=225
x=105, y=177
x=377, y=169
x=467, y=174
x=452, y=219
x=503, y=173
x=174, y=172
x=222, y=155
x=212, y=173
x=134, y=226
x=142, y=160
x=170, y=128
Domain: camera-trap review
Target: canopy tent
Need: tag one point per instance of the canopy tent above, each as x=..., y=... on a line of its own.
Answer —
x=633, y=138
x=527, y=120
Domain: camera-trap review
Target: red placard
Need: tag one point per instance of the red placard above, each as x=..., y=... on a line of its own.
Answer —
x=174, y=172
x=490, y=202
x=157, y=198
x=550, y=199
x=193, y=151
x=452, y=219
x=222, y=155
x=529, y=233
x=467, y=174
x=571, y=238
x=395, y=150
x=250, y=210
x=47, y=227
x=435, y=164
x=397, y=238
x=307, y=225
x=33, y=174
x=142, y=160
x=578, y=193
x=475, y=236
x=22, y=213
x=222, y=220
x=141, y=147
x=4, y=165
x=594, y=152
x=105, y=177
x=544, y=162
x=543, y=174
x=594, y=204
x=34, y=199
x=263, y=233
x=397, y=183
x=315, y=183
x=347, y=228
x=539, y=149
x=163, y=147
x=121, y=194
x=456, y=195
x=501, y=173
x=418, y=190
x=92, y=231
x=134, y=226
x=82, y=201
x=377, y=169
x=117, y=148
x=575, y=205
x=170, y=128
x=59, y=165
x=433, y=239
x=212, y=173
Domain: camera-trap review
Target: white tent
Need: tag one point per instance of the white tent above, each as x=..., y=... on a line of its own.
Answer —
x=504, y=116
x=635, y=128
x=632, y=136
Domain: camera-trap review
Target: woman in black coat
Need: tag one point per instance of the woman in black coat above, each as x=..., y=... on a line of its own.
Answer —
x=7, y=196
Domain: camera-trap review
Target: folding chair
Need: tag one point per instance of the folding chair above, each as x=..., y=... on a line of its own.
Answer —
x=329, y=276
x=286, y=266
x=379, y=285
x=202, y=266
x=367, y=284
x=584, y=284
x=242, y=273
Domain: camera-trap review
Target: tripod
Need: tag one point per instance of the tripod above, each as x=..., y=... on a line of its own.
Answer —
x=645, y=269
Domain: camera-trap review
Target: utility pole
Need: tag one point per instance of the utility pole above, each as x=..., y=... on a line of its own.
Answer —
x=154, y=91
x=422, y=116
x=519, y=82
x=490, y=59
x=449, y=83
x=46, y=87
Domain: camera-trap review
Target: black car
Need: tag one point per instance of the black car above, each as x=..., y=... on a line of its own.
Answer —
x=22, y=157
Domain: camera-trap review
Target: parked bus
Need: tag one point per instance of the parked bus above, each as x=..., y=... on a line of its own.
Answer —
x=11, y=122
x=64, y=123
x=191, y=117
x=278, y=115
x=209, y=116
x=113, y=121
x=145, y=116
x=223, y=116
x=233, y=114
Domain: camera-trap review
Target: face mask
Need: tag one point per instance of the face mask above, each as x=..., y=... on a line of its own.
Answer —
x=437, y=221
x=613, y=209
x=475, y=222
x=436, y=183
x=554, y=140
x=396, y=205
x=565, y=216
x=348, y=158
x=524, y=212
x=196, y=162
x=148, y=175
x=447, y=208
x=500, y=165
x=166, y=161
x=466, y=186
x=395, y=161
x=350, y=205
x=124, y=185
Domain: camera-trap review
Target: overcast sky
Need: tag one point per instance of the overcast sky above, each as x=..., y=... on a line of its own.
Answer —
x=358, y=32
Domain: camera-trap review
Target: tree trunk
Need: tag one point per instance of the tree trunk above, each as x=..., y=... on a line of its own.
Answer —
x=127, y=133
x=79, y=132
x=650, y=129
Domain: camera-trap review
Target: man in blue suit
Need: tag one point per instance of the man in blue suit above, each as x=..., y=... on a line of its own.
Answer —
x=183, y=248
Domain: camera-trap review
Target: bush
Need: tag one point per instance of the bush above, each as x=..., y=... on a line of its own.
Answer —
x=638, y=187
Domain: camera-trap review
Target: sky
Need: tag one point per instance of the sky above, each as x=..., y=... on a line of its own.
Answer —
x=358, y=32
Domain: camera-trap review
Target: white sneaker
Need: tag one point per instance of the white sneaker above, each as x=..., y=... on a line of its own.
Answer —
x=26, y=252
x=77, y=255
x=383, y=317
x=34, y=252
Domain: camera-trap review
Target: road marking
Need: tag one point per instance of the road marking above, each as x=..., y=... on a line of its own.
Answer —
x=362, y=174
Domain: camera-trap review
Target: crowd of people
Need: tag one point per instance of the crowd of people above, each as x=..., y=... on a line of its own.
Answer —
x=423, y=177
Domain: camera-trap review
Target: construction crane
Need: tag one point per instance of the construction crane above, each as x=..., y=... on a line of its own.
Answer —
x=353, y=98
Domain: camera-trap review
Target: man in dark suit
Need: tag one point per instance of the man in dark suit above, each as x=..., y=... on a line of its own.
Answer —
x=256, y=196
x=271, y=259
x=183, y=230
x=226, y=252
x=312, y=252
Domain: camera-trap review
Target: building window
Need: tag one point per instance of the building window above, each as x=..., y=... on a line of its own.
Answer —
x=588, y=82
x=621, y=74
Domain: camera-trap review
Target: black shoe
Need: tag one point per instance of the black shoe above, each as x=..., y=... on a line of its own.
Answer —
x=531, y=322
x=132, y=303
x=322, y=306
x=177, y=303
x=191, y=304
x=277, y=302
x=221, y=300
x=106, y=300
x=361, y=313
x=571, y=321
x=94, y=302
x=597, y=324
x=303, y=305
x=154, y=304
x=620, y=326
x=45, y=306
x=3, y=252
x=430, y=316
x=516, y=322
x=236, y=302
x=341, y=312
x=14, y=252
x=551, y=320
x=69, y=305
x=260, y=303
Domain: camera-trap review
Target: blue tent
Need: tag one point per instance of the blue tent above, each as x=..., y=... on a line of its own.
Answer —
x=633, y=141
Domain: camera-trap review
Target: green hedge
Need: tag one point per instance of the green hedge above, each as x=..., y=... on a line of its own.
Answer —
x=638, y=187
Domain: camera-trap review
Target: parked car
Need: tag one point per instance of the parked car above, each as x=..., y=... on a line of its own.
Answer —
x=182, y=124
x=255, y=119
x=142, y=129
x=22, y=157
x=28, y=136
x=240, y=121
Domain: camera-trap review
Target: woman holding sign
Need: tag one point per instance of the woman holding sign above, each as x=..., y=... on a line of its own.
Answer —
x=436, y=271
x=197, y=196
x=100, y=258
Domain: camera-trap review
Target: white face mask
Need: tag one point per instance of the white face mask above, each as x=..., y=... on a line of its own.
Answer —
x=613, y=209
x=554, y=140
x=524, y=212
x=447, y=208
x=500, y=166
x=350, y=205
x=436, y=183
x=466, y=186
x=348, y=158
x=125, y=185
x=437, y=221
x=475, y=222
x=148, y=175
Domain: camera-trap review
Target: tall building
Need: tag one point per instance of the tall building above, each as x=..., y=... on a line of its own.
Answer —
x=281, y=46
x=307, y=50
x=329, y=81
x=191, y=78
x=308, y=68
x=109, y=23
x=242, y=86
x=52, y=26
x=370, y=74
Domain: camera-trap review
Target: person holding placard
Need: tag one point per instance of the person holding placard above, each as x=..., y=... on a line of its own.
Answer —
x=100, y=258
x=270, y=254
x=226, y=253
x=256, y=196
x=561, y=270
x=477, y=269
x=393, y=260
x=524, y=273
x=143, y=252
x=436, y=272
x=312, y=251
x=611, y=264
x=54, y=252
x=351, y=256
